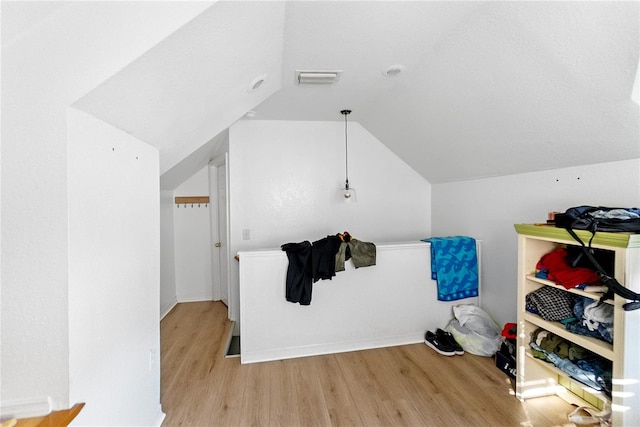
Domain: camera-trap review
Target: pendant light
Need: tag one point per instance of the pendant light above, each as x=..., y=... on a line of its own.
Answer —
x=347, y=193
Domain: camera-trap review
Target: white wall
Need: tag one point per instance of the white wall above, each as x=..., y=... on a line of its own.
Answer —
x=168, y=296
x=487, y=209
x=114, y=273
x=192, y=239
x=284, y=179
x=45, y=68
x=387, y=304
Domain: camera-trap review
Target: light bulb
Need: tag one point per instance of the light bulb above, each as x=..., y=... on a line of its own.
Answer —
x=348, y=194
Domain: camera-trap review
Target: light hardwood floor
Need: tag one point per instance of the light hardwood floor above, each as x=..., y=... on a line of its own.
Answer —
x=408, y=385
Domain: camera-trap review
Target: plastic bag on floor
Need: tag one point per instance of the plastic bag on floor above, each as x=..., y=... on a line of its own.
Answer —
x=588, y=416
x=475, y=331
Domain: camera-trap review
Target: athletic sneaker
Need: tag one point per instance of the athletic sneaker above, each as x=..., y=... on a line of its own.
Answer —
x=435, y=343
x=447, y=338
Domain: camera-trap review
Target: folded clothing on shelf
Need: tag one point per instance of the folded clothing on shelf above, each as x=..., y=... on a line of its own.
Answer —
x=574, y=360
x=593, y=319
x=550, y=303
x=558, y=269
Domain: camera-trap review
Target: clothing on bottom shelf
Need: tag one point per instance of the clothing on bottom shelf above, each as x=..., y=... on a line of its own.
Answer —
x=575, y=361
x=573, y=370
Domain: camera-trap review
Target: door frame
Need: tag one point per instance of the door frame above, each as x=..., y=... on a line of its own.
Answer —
x=217, y=266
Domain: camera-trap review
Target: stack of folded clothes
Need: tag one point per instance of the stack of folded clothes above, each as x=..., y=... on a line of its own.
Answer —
x=555, y=266
x=578, y=314
x=577, y=362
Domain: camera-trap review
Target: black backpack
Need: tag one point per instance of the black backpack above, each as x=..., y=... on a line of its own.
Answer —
x=611, y=220
x=599, y=218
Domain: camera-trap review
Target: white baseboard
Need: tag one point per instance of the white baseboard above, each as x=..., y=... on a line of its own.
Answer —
x=26, y=408
x=266, y=355
x=167, y=308
x=195, y=298
x=161, y=417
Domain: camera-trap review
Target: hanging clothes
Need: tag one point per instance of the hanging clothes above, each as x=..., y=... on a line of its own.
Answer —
x=309, y=263
x=299, y=273
x=323, y=256
x=363, y=254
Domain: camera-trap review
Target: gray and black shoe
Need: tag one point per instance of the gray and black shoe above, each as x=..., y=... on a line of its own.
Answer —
x=438, y=345
x=446, y=337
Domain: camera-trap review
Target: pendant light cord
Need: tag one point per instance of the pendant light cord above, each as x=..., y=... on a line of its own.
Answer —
x=346, y=148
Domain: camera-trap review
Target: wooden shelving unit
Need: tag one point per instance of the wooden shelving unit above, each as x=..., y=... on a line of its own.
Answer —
x=536, y=377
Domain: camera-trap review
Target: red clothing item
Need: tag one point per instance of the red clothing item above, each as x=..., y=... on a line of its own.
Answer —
x=509, y=331
x=572, y=277
x=554, y=261
x=562, y=273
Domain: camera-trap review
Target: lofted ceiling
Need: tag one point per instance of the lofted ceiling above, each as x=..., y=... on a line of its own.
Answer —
x=489, y=88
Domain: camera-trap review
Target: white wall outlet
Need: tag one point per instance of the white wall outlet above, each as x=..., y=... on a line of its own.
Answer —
x=246, y=234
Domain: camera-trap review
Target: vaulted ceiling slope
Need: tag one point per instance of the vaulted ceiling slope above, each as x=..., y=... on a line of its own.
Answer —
x=490, y=88
x=184, y=93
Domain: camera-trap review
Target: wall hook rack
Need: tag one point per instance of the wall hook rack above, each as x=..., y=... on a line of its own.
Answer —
x=192, y=200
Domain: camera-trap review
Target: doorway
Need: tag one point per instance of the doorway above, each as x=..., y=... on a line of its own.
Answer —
x=218, y=193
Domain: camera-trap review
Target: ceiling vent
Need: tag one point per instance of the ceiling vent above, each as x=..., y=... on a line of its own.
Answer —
x=317, y=77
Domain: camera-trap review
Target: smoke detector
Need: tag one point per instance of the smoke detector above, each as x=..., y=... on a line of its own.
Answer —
x=256, y=83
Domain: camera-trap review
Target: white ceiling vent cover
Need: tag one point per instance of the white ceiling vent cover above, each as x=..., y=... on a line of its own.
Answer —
x=317, y=77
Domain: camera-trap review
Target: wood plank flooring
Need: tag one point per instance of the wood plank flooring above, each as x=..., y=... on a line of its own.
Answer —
x=397, y=386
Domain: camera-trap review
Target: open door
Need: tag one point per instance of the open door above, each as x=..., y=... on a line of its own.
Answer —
x=219, y=229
